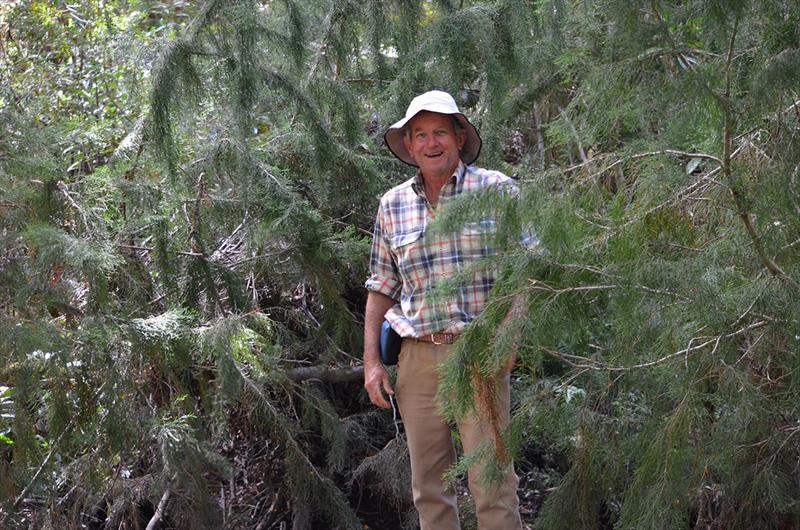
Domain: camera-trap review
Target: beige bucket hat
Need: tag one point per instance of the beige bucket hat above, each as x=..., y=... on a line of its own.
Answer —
x=433, y=101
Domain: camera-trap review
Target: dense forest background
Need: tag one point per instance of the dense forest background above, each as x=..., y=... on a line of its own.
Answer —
x=187, y=197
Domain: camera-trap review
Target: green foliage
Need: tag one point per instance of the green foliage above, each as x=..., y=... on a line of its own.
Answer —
x=187, y=201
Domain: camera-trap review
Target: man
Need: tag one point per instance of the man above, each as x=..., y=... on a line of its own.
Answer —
x=406, y=263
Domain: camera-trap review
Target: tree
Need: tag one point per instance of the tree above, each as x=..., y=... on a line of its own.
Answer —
x=659, y=340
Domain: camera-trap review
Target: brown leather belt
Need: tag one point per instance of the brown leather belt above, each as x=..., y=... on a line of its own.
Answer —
x=437, y=338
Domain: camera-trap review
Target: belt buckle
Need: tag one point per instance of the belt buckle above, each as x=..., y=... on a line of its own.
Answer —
x=433, y=340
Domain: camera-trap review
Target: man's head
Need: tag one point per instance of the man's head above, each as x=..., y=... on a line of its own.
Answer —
x=434, y=144
x=423, y=111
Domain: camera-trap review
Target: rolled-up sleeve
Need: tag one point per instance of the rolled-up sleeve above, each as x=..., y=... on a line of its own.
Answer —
x=383, y=275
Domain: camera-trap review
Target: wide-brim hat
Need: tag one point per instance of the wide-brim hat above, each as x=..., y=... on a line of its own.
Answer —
x=442, y=103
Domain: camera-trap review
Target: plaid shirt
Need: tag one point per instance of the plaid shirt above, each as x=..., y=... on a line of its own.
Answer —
x=407, y=261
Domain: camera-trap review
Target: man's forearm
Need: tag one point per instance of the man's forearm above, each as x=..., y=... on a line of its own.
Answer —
x=377, y=305
x=376, y=378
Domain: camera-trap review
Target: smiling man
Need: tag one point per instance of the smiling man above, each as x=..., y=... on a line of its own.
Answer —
x=407, y=262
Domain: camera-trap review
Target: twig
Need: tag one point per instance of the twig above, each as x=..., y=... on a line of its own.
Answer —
x=597, y=158
x=538, y=285
x=692, y=188
x=53, y=447
x=162, y=506
x=537, y=124
x=151, y=249
x=259, y=256
x=704, y=156
x=368, y=81
x=361, y=230
x=332, y=17
x=681, y=193
x=222, y=248
x=580, y=267
x=750, y=348
x=574, y=134
x=589, y=221
x=63, y=188
x=746, y=312
x=790, y=245
x=18, y=500
x=578, y=361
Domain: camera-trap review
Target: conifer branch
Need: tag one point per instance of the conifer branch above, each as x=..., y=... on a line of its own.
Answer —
x=161, y=508
x=331, y=18
x=368, y=81
x=538, y=285
x=539, y=130
x=685, y=154
x=197, y=242
x=738, y=196
x=62, y=187
x=574, y=132
x=134, y=139
x=580, y=267
x=151, y=249
x=53, y=447
x=698, y=185
x=729, y=59
x=684, y=192
x=578, y=361
x=580, y=165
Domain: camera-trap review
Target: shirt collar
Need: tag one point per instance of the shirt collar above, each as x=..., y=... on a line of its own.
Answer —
x=458, y=175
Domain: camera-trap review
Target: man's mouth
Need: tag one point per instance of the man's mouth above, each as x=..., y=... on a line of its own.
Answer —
x=434, y=155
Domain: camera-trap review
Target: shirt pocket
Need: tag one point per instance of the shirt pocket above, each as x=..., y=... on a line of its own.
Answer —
x=409, y=251
x=398, y=241
x=484, y=227
x=478, y=238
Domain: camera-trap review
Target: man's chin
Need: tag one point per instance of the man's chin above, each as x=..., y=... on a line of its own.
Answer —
x=436, y=167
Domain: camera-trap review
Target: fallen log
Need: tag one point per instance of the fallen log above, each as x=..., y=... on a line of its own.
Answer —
x=325, y=373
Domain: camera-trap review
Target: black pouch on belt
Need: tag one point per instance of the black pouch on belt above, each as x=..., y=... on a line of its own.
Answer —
x=390, y=344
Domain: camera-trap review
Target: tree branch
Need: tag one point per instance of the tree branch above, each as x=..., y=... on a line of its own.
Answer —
x=686, y=154
x=162, y=506
x=584, y=158
x=538, y=285
x=325, y=373
x=738, y=196
x=586, y=363
x=53, y=447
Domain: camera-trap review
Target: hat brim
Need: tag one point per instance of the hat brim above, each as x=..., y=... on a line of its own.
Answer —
x=468, y=154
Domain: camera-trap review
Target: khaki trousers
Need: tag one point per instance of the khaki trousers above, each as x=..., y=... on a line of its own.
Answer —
x=431, y=446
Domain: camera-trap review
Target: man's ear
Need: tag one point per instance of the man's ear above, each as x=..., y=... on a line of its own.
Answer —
x=461, y=138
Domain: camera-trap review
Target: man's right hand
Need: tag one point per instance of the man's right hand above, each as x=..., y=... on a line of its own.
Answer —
x=376, y=382
x=376, y=378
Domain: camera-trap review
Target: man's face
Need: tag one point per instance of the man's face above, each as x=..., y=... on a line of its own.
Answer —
x=434, y=144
